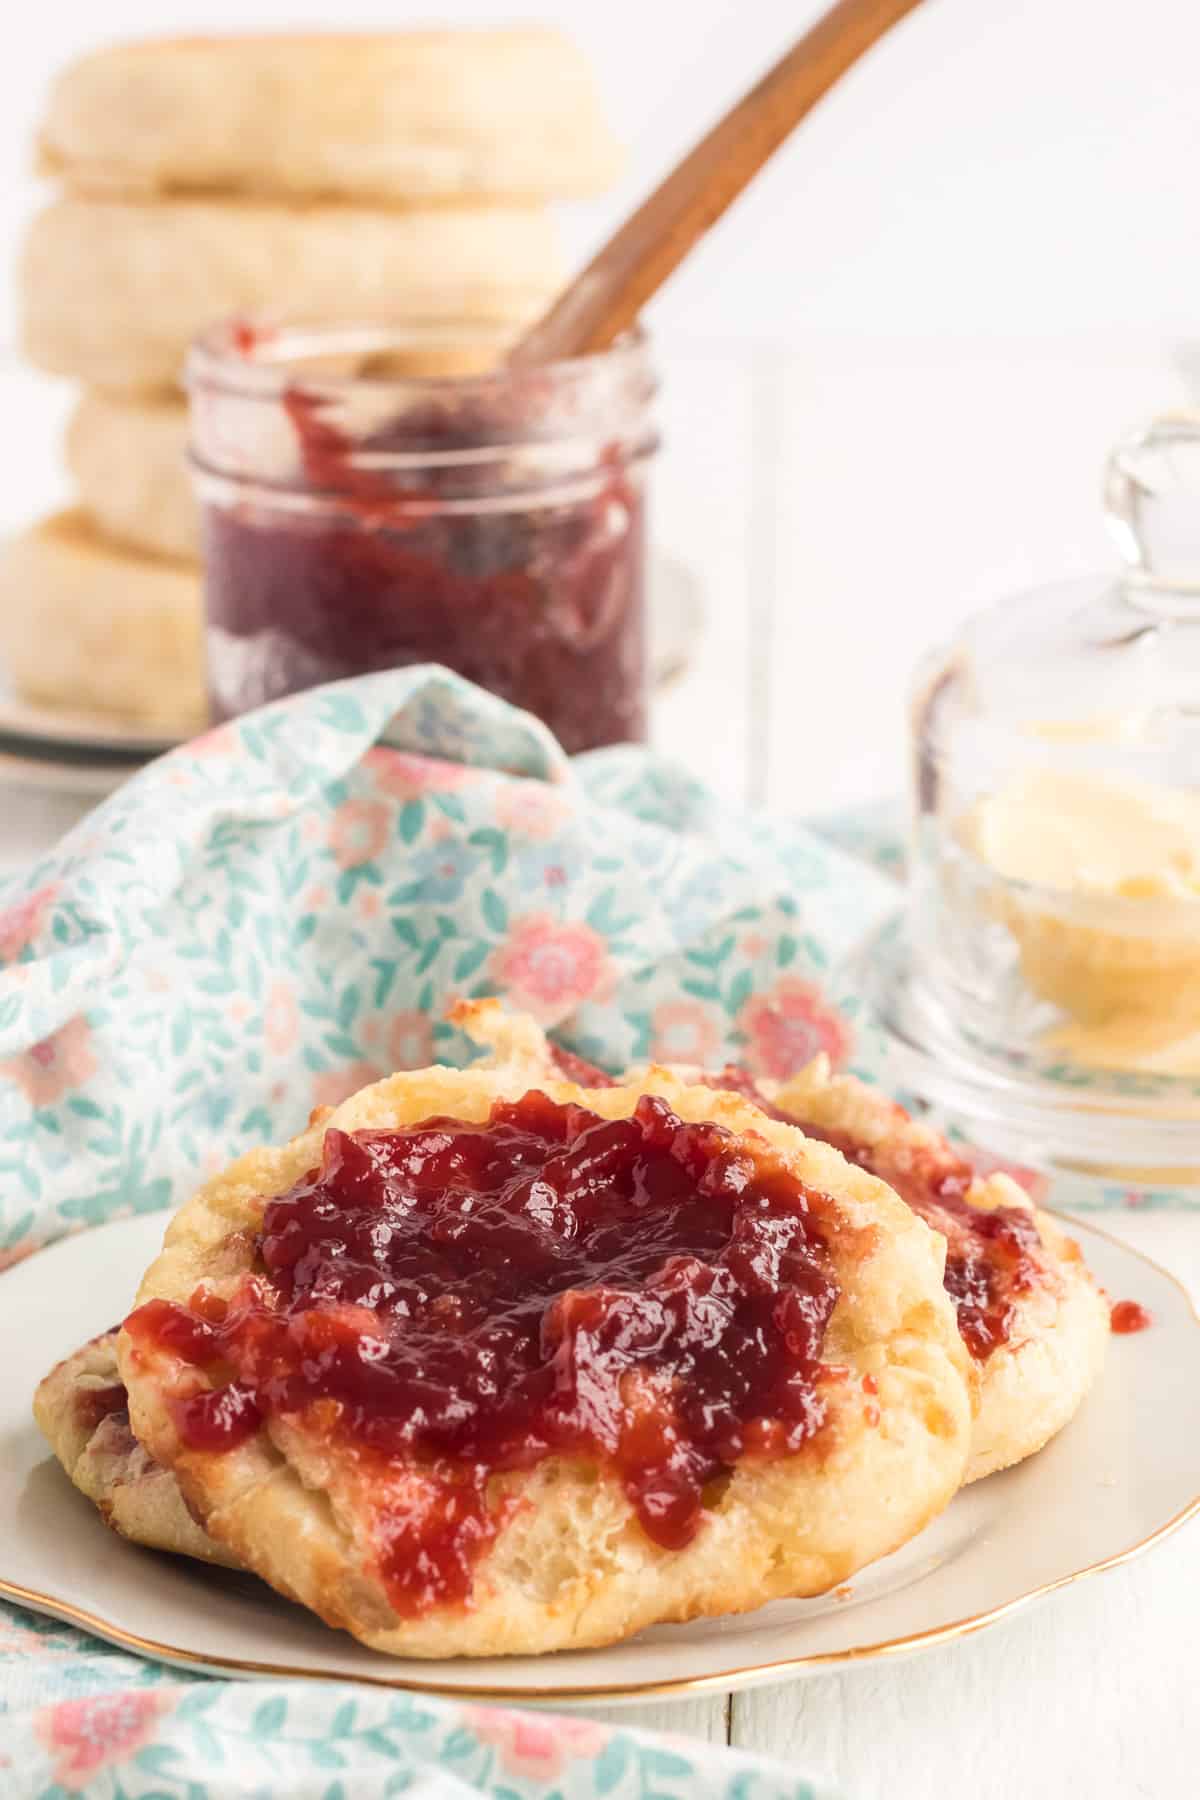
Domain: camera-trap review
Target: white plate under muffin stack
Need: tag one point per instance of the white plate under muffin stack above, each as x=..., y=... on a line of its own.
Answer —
x=405, y=177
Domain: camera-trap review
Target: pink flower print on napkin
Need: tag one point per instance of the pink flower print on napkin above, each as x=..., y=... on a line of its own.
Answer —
x=17, y=1637
x=684, y=1031
x=409, y=1041
x=536, y=1748
x=787, y=1025
x=20, y=923
x=547, y=968
x=332, y=1086
x=407, y=777
x=281, y=1020
x=532, y=810
x=55, y=1067
x=358, y=832
x=402, y=1040
x=85, y=1736
x=221, y=741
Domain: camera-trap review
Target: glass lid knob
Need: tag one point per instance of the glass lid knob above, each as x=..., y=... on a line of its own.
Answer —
x=1152, y=504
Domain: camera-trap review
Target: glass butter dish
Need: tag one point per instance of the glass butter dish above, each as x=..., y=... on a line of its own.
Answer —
x=1042, y=987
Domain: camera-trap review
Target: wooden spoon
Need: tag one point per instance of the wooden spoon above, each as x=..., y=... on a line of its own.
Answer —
x=607, y=297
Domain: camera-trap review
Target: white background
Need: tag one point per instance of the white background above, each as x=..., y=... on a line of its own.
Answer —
x=893, y=372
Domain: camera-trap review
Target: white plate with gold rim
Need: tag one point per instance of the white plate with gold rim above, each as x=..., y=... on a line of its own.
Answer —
x=1124, y=1474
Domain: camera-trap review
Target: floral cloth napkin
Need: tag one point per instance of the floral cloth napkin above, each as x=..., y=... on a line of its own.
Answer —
x=79, y=1718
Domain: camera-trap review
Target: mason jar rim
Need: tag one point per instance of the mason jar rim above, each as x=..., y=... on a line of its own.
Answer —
x=256, y=355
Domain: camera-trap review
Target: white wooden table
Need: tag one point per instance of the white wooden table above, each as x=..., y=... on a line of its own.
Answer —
x=843, y=504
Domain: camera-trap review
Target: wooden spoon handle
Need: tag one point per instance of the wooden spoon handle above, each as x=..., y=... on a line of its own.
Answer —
x=607, y=297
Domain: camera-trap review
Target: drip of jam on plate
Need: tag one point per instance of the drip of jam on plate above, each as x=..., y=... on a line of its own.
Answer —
x=470, y=1299
x=536, y=596
x=992, y=1256
x=1128, y=1316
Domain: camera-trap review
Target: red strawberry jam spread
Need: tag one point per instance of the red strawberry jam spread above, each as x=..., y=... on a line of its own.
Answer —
x=992, y=1257
x=1128, y=1316
x=469, y=1299
x=94, y=1404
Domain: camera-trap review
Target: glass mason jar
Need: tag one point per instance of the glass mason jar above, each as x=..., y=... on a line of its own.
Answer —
x=359, y=516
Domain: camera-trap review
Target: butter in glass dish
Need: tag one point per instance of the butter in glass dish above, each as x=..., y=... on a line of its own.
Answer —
x=1044, y=983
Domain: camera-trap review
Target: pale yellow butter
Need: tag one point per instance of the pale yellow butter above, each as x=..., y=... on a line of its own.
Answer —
x=1090, y=834
x=1106, y=915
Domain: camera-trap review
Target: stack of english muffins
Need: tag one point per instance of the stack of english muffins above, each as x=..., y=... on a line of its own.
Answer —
x=404, y=177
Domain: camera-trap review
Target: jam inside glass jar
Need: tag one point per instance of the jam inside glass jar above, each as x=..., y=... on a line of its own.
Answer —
x=358, y=518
